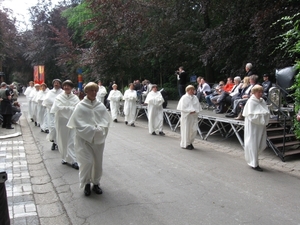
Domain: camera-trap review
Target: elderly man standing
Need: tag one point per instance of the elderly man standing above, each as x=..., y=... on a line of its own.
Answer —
x=91, y=121
x=63, y=107
x=48, y=102
x=154, y=101
x=189, y=107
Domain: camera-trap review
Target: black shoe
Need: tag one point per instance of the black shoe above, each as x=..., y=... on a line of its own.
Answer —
x=231, y=115
x=189, y=147
x=97, y=189
x=133, y=125
x=10, y=128
x=64, y=162
x=35, y=123
x=162, y=133
x=115, y=120
x=47, y=131
x=53, y=146
x=126, y=122
x=153, y=133
x=258, y=169
x=192, y=146
x=75, y=166
x=87, y=190
x=32, y=120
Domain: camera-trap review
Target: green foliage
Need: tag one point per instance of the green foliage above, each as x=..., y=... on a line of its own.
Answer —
x=291, y=43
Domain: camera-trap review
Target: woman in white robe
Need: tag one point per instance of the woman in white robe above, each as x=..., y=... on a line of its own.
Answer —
x=114, y=97
x=29, y=98
x=257, y=117
x=154, y=101
x=41, y=110
x=48, y=103
x=130, y=98
x=101, y=93
x=63, y=107
x=189, y=107
x=91, y=121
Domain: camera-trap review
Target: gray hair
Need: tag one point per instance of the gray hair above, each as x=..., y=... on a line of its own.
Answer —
x=249, y=66
x=238, y=78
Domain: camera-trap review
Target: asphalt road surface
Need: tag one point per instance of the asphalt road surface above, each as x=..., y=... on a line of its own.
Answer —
x=150, y=180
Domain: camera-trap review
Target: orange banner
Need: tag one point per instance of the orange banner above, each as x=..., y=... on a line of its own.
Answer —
x=39, y=74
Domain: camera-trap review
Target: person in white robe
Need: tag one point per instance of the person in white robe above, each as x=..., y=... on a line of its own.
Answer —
x=34, y=94
x=29, y=99
x=154, y=102
x=189, y=107
x=63, y=107
x=130, y=98
x=48, y=103
x=91, y=121
x=42, y=118
x=114, y=97
x=101, y=93
x=257, y=115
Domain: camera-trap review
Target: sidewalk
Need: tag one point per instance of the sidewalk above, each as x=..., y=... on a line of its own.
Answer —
x=30, y=193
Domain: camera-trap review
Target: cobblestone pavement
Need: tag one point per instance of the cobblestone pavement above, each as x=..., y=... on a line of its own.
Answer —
x=32, y=198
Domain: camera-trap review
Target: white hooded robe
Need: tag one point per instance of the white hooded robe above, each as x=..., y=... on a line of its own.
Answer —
x=115, y=96
x=257, y=117
x=188, y=122
x=48, y=103
x=130, y=98
x=29, y=98
x=42, y=118
x=101, y=93
x=91, y=121
x=63, y=107
x=155, y=111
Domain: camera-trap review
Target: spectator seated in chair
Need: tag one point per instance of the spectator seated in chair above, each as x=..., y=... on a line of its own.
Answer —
x=243, y=96
x=224, y=101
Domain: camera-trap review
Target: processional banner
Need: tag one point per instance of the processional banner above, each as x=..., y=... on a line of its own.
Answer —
x=39, y=74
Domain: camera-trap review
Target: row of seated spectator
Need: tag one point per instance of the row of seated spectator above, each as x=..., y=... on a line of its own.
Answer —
x=234, y=94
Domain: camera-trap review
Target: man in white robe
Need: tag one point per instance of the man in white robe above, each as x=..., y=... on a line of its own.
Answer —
x=42, y=118
x=34, y=94
x=63, y=107
x=91, y=121
x=29, y=99
x=189, y=107
x=101, y=93
x=154, y=101
x=114, y=97
x=48, y=102
x=257, y=115
x=130, y=98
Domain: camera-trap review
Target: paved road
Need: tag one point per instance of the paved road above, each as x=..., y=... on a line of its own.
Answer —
x=151, y=180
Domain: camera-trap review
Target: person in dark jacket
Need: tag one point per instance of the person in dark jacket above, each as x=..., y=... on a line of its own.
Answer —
x=6, y=106
x=181, y=80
